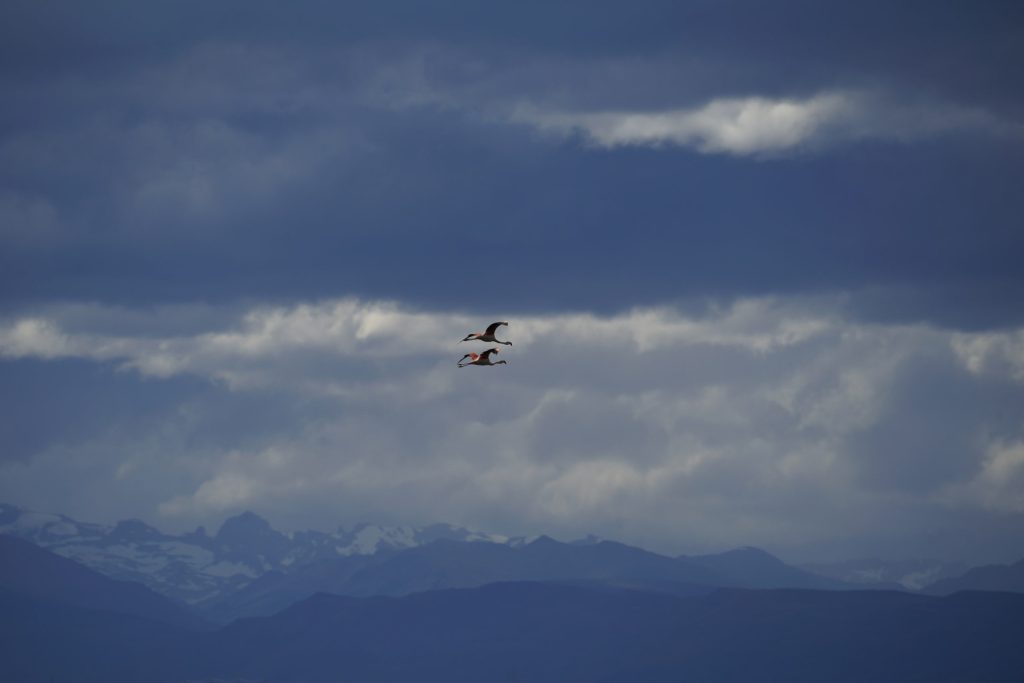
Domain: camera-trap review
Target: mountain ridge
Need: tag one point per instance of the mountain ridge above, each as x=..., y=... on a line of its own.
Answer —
x=31, y=571
x=195, y=567
x=993, y=577
x=445, y=564
x=247, y=568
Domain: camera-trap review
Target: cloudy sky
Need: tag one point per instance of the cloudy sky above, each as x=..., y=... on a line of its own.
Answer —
x=761, y=261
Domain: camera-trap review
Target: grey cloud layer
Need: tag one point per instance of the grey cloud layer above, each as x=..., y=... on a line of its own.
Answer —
x=771, y=421
x=370, y=153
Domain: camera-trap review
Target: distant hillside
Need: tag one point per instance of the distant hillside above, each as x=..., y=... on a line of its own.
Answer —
x=542, y=633
x=754, y=568
x=450, y=564
x=996, y=577
x=44, y=641
x=32, y=572
x=875, y=573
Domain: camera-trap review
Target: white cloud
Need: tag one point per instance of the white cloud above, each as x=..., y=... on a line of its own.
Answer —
x=380, y=333
x=998, y=353
x=999, y=485
x=35, y=338
x=666, y=429
x=764, y=126
x=243, y=479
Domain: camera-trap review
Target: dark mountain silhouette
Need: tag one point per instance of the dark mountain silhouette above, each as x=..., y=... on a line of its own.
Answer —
x=540, y=633
x=754, y=568
x=43, y=641
x=544, y=632
x=28, y=571
x=249, y=537
x=996, y=577
x=446, y=564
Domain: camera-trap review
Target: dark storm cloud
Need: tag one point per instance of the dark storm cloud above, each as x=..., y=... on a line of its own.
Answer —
x=175, y=153
x=940, y=44
x=659, y=225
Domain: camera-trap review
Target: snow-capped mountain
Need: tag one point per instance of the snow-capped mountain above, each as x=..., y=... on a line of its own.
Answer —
x=195, y=567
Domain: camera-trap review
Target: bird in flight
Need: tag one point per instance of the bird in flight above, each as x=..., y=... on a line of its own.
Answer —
x=488, y=335
x=481, y=358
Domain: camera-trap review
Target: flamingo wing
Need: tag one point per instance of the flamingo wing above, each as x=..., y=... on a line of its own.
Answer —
x=493, y=327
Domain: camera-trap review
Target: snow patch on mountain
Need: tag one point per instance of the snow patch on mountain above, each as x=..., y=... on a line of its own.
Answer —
x=196, y=567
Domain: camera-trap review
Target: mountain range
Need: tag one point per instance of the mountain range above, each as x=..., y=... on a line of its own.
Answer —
x=449, y=609
x=447, y=564
x=196, y=567
x=249, y=569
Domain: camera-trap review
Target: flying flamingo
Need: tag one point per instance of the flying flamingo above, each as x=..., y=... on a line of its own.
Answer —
x=481, y=358
x=487, y=336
